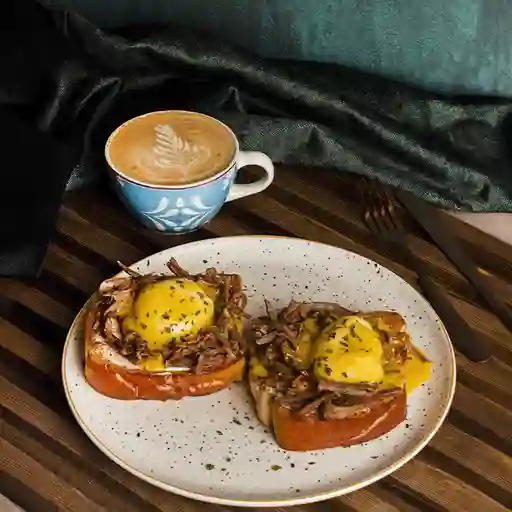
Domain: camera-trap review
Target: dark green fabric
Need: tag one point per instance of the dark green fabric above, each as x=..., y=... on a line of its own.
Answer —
x=458, y=46
x=450, y=150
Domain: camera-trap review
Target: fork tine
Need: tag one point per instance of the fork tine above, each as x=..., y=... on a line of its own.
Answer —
x=367, y=204
x=369, y=219
x=383, y=215
x=392, y=210
x=371, y=215
x=381, y=210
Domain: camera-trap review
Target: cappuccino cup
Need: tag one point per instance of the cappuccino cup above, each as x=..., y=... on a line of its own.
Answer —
x=175, y=169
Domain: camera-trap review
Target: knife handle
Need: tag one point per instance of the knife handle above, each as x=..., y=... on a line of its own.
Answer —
x=462, y=336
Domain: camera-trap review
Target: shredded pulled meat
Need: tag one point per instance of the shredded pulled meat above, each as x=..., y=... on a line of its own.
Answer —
x=212, y=348
x=275, y=345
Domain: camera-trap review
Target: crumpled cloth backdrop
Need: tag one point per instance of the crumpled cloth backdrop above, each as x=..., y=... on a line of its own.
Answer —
x=65, y=85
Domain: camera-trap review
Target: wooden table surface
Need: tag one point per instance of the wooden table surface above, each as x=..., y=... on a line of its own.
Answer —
x=48, y=463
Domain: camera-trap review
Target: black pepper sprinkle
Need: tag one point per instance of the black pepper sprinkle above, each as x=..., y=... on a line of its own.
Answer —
x=143, y=325
x=237, y=421
x=209, y=467
x=165, y=316
x=138, y=434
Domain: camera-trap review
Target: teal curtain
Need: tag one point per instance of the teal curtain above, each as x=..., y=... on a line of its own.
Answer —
x=458, y=46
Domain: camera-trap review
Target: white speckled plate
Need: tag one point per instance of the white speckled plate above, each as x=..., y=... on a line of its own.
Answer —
x=213, y=448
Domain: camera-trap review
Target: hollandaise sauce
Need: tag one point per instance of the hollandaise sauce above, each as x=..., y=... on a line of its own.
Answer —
x=168, y=310
x=350, y=350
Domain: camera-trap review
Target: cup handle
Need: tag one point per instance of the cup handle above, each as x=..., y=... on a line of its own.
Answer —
x=252, y=158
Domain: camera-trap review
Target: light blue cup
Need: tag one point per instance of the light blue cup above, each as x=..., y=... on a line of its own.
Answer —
x=180, y=209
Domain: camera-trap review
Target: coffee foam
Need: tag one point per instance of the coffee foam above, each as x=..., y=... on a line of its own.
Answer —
x=171, y=148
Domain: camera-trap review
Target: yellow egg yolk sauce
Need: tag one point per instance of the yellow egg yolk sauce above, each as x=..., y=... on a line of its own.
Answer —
x=165, y=311
x=350, y=350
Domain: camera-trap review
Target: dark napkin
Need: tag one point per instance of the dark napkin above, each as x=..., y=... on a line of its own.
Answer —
x=66, y=84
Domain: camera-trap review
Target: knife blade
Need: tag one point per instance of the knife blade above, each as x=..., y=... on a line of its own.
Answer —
x=461, y=334
x=431, y=220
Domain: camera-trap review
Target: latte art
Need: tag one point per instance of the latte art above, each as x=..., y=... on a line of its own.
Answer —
x=172, y=152
x=171, y=148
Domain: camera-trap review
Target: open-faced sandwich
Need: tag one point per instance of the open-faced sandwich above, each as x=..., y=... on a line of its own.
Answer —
x=322, y=376
x=165, y=337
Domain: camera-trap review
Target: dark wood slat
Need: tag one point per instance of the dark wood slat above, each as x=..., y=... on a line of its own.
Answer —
x=489, y=328
x=27, y=348
x=47, y=389
x=443, y=489
x=57, y=288
x=483, y=418
x=86, y=233
x=373, y=499
x=51, y=487
x=23, y=495
x=472, y=461
x=72, y=477
x=37, y=301
x=72, y=270
x=89, y=469
x=491, y=379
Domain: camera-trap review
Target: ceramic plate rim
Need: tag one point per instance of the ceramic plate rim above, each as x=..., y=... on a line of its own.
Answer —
x=317, y=497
